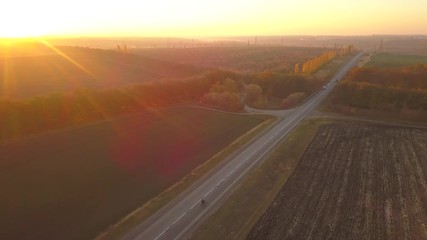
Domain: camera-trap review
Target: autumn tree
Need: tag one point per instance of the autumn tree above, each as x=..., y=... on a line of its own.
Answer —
x=297, y=69
x=383, y=89
x=224, y=95
x=312, y=65
x=253, y=93
x=293, y=99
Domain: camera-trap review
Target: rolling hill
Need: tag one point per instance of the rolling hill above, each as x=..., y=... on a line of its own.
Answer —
x=33, y=69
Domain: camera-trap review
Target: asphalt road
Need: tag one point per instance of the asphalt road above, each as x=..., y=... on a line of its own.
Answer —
x=180, y=217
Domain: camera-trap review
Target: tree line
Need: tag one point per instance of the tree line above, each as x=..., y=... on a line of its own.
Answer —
x=398, y=90
x=281, y=91
x=58, y=110
x=313, y=64
x=221, y=89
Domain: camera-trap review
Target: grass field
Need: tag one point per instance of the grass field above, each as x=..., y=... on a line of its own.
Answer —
x=355, y=181
x=73, y=184
x=71, y=68
x=395, y=60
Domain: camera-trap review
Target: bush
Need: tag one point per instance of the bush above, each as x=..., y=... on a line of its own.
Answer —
x=293, y=99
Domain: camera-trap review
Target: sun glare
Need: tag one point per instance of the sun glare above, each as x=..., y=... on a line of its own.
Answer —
x=22, y=18
x=17, y=33
x=22, y=29
x=19, y=28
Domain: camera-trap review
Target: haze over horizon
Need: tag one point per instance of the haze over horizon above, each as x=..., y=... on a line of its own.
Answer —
x=195, y=18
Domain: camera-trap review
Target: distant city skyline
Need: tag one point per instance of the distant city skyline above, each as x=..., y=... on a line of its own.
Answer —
x=198, y=18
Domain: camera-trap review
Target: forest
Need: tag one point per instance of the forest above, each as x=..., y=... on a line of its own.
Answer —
x=178, y=84
x=278, y=91
x=244, y=59
x=401, y=90
x=216, y=88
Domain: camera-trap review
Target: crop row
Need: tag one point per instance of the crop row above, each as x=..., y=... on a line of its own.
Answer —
x=354, y=182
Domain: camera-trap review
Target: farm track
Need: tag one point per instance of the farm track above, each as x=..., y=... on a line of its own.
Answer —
x=355, y=181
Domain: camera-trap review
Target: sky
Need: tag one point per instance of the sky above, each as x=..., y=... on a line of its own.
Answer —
x=198, y=18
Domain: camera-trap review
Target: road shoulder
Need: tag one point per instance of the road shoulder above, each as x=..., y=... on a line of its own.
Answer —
x=258, y=189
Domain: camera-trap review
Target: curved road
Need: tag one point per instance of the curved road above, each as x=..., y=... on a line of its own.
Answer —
x=179, y=218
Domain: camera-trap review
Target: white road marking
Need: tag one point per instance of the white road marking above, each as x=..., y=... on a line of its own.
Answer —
x=206, y=194
x=182, y=215
x=194, y=205
x=161, y=233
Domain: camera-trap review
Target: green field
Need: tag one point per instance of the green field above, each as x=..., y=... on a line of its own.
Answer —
x=395, y=60
x=73, y=184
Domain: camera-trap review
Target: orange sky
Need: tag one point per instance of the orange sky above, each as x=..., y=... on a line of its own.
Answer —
x=192, y=18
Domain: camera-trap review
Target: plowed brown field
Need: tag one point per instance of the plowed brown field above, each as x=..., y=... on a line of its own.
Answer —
x=354, y=182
